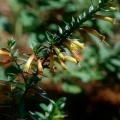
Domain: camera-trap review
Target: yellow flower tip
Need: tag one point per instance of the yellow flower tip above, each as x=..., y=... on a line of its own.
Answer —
x=71, y=59
x=70, y=45
x=28, y=63
x=40, y=67
x=73, y=47
x=74, y=44
x=63, y=65
x=81, y=45
x=57, y=50
x=2, y=52
x=60, y=55
x=105, y=18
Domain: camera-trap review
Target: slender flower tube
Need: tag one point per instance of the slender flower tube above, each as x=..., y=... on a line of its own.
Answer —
x=80, y=45
x=62, y=64
x=71, y=59
x=70, y=45
x=28, y=63
x=73, y=47
x=74, y=44
x=4, y=53
x=57, y=50
x=40, y=67
x=94, y=32
x=76, y=55
x=105, y=18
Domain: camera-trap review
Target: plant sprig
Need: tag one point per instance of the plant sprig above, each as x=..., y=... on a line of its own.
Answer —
x=78, y=21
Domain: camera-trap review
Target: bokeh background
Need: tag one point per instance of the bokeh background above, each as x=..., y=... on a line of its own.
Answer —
x=92, y=88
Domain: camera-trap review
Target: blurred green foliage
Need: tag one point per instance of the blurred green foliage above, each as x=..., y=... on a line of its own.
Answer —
x=34, y=17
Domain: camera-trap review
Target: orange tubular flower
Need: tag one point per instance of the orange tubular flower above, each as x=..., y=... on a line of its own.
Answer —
x=80, y=45
x=76, y=55
x=70, y=44
x=105, y=18
x=71, y=59
x=28, y=63
x=94, y=32
x=2, y=52
x=74, y=46
x=40, y=67
x=57, y=50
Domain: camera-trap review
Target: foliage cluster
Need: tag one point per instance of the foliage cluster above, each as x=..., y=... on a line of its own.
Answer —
x=55, y=48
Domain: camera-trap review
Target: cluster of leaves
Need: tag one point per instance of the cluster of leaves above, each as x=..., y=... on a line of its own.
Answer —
x=52, y=111
x=56, y=50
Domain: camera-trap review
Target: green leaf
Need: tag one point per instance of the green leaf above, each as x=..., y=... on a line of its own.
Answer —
x=60, y=30
x=91, y=8
x=44, y=106
x=71, y=88
x=115, y=62
x=50, y=107
x=11, y=43
x=40, y=115
x=45, y=96
x=49, y=37
x=61, y=102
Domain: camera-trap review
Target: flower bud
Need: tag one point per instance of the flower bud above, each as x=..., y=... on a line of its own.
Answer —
x=40, y=67
x=60, y=55
x=28, y=63
x=70, y=45
x=105, y=18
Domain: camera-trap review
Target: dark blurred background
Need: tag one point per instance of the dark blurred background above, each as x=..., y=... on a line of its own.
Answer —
x=92, y=90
